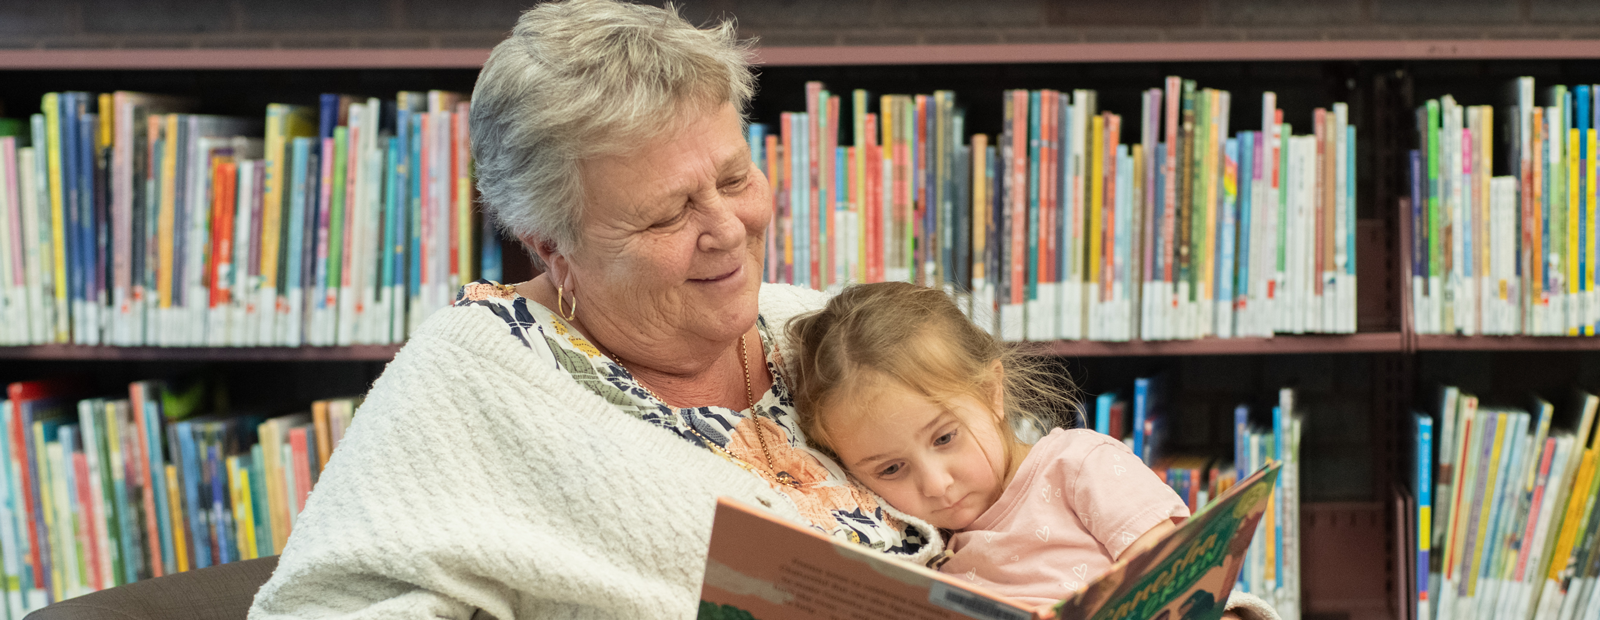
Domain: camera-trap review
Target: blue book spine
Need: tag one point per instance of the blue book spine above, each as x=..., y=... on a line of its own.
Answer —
x=1419, y=243
x=88, y=224
x=158, y=483
x=1424, y=487
x=757, y=136
x=391, y=209
x=1241, y=441
x=1280, y=447
x=221, y=507
x=1247, y=160
x=299, y=158
x=399, y=250
x=1227, y=228
x=1141, y=406
x=1032, y=235
x=1102, y=412
x=190, y=480
x=1350, y=200
x=416, y=188
x=328, y=115
x=214, y=474
x=69, y=173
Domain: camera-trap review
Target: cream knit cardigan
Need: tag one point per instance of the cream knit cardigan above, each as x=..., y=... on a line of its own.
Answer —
x=476, y=476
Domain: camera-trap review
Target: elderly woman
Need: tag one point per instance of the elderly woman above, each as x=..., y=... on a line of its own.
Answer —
x=555, y=448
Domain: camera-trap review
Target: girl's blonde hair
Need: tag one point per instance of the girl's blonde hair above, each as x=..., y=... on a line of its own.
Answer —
x=915, y=336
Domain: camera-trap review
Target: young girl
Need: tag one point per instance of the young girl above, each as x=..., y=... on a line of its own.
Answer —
x=920, y=405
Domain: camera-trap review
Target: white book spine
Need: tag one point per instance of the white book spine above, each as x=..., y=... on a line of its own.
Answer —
x=1011, y=322
x=38, y=308
x=242, y=299
x=1344, y=252
x=12, y=311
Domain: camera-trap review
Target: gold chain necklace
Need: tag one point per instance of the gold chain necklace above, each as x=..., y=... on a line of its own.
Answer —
x=782, y=477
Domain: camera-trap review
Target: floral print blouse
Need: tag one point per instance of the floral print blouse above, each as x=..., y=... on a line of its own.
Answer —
x=830, y=502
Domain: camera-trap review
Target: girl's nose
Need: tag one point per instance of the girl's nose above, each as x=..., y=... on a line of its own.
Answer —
x=934, y=481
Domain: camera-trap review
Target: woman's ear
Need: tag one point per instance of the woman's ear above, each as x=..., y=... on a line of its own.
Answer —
x=555, y=260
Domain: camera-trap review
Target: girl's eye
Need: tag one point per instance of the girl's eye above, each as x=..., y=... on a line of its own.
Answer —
x=890, y=470
x=945, y=438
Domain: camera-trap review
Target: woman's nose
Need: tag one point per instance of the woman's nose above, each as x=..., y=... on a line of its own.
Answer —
x=724, y=230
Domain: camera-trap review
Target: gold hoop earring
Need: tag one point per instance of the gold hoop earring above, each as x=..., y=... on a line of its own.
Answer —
x=561, y=300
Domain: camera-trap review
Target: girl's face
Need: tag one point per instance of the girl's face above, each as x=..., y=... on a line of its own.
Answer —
x=943, y=463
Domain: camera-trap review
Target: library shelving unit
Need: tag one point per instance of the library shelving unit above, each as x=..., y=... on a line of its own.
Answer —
x=1357, y=387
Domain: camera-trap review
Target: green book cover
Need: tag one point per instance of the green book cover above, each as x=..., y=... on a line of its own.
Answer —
x=1434, y=259
x=341, y=137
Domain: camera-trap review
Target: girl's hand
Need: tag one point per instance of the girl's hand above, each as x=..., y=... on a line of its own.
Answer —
x=1149, y=538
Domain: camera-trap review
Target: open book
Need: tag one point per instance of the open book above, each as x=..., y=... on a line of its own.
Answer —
x=762, y=567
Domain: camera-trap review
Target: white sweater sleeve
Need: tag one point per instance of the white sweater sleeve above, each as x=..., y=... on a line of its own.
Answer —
x=474, y=476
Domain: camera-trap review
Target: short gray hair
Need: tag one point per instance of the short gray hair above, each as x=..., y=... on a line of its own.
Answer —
x=586, y=78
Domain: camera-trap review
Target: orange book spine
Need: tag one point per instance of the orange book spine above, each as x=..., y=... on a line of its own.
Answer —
x=224, y=180
x=319, y=417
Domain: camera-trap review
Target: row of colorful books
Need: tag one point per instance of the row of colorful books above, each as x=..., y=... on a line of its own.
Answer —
x=1057, y=229
x=1514, y=253
x=126, y=220
x=1272, y=566
x=1504, y=507
x=99, y=492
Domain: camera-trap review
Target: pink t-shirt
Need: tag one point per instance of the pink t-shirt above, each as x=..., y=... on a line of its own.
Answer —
x=1076, y=503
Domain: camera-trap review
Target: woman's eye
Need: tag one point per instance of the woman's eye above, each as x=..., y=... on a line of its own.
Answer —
x=674, y=219
x=733, y=187
x=945, y=438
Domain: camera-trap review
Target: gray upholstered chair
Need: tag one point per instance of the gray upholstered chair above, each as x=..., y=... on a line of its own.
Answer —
x=221, y=592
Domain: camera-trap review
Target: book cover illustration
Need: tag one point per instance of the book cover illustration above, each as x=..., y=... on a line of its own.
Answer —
x=762, y=567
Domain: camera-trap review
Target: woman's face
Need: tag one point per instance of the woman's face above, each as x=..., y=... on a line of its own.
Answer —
x=672, y=241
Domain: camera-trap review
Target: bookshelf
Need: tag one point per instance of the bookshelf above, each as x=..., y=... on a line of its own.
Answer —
x=1379, y=371
x=73, y=353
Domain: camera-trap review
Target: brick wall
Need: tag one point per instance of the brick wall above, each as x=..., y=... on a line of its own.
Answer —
x=481, y=23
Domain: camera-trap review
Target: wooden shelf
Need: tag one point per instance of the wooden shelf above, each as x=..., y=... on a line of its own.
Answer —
x=103, y=59
x=830, y=55
x=1507, y=343
x=62, y=352
x=1373, y=342
x=1175, y=51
